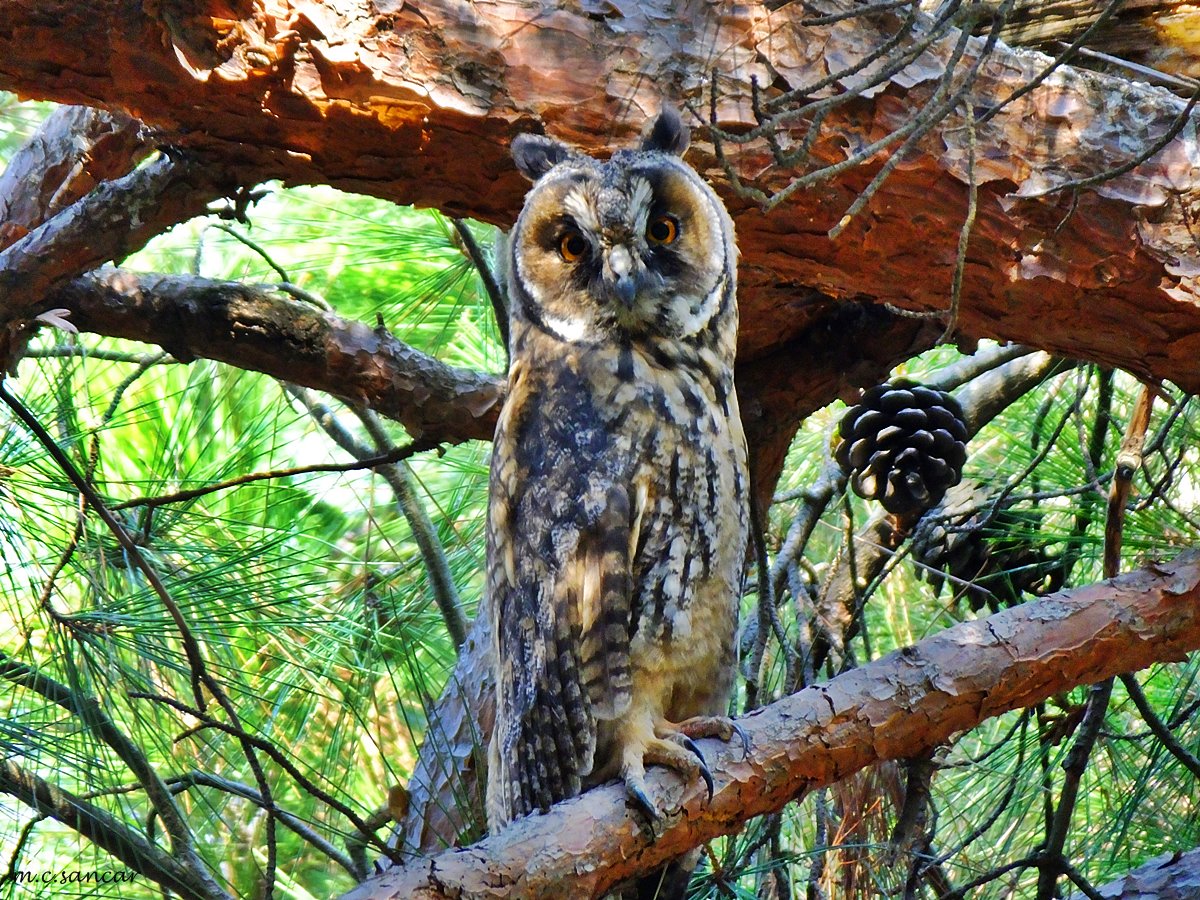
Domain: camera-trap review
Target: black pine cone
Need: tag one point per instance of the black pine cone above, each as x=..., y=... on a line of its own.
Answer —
x=904, y=444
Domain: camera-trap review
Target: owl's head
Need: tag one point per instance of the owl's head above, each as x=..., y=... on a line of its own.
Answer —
x=630, y=247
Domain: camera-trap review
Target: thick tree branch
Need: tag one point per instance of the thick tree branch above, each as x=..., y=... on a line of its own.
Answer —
x=1172, y=876
x=74, y=150
x=894, y=708
x=431, y=95
x=110, y=222
x=250, y=327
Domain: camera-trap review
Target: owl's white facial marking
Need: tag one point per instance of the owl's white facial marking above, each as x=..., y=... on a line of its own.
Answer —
x=579, y=204
x=570, y=330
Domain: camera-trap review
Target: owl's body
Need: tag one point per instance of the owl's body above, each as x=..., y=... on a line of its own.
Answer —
x=617, y=519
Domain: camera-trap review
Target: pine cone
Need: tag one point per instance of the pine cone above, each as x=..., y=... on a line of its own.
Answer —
x=992, y=563
x=904, y=444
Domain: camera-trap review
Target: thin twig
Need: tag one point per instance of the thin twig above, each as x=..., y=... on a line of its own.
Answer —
x=433, y=554
x=92, y=714
x=1062, y=59
x=279, y=758
x=180, y=783
x=108, y=833
x=1158, y=727
x=256, y=247
x=924, y=122
x=369, y=462
x=64, y=351
x=964, y=234
x=399, y=477
x=1051, y=861
x=493, y=289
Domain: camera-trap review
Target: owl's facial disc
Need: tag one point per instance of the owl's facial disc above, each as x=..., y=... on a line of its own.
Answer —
x=625, y=248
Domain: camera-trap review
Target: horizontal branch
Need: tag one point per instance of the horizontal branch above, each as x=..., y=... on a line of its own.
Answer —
x=896, y=707
x=419, y=103
x=252, y=328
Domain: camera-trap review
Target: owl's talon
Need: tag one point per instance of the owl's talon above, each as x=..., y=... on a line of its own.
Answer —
x=641, y=800
x=741, y=733
x=689, y=744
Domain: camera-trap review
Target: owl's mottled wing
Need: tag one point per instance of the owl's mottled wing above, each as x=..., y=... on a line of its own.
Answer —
x=559, y=548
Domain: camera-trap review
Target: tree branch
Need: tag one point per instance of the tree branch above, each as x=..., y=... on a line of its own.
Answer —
x=103, y=727
x=1172, y=876
x=897, y=707
x=75, y=149
x=106, y=832
x=110, y=222
x=250, y=327
x=1107, y=276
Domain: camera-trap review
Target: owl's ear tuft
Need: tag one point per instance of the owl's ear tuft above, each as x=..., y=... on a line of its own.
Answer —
x=668, y=134
x=536, y=154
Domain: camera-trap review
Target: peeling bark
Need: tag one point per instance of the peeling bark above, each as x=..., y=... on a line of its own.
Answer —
x=74, y=150
x=897, y=707
x=1172, y=876
x=417, y=103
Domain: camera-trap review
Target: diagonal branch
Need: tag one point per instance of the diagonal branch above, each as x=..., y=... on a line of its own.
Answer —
x=90, y=711
x=897, y=707
x=106, y=832
x=110, y=222
x=74, y=149
x=250, y=327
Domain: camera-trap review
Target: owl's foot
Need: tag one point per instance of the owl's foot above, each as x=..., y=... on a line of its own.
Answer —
x=721, y=727
x=673, y=749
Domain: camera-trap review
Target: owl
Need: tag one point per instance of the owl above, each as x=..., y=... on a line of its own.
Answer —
x=617, y=517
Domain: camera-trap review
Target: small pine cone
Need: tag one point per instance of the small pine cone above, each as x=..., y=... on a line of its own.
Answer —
x=989, y=563
x=904, y=444
x=948, y=541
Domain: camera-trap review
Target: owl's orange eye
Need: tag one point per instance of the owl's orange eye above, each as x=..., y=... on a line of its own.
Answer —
x=662, y=230
x=572, y=246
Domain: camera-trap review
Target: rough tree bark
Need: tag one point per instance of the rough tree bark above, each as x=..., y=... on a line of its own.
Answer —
x=894, y=708
x=418, y=102
x=1172, y=876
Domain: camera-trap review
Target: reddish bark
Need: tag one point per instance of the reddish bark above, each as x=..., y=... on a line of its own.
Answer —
x=417, y=102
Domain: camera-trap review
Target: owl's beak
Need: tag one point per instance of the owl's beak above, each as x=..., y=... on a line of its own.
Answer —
x=625, y=287
x=623, y=282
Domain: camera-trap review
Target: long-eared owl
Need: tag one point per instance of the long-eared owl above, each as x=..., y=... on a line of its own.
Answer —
x=617, y=520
